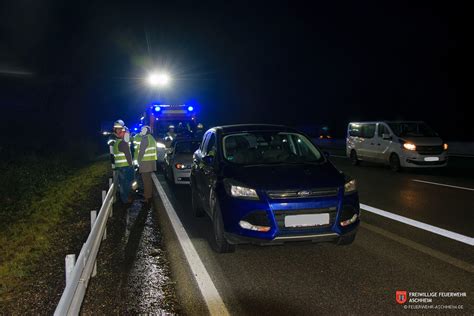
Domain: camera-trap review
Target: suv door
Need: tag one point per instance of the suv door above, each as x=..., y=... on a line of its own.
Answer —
x=197, y=172
x=208, y=172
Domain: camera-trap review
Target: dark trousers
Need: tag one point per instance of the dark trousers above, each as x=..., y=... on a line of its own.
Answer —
x=125, y=179
x=147, y=185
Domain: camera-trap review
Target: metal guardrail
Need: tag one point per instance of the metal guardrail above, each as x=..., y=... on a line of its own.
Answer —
x=78, y=278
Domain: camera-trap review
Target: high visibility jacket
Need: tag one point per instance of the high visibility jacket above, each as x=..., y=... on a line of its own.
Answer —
x=150, y=151
x=136, y=146
x=119, y=157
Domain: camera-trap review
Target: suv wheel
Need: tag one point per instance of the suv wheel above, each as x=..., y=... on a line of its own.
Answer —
x=218, y=242
x=354, y=159
x=395, y=163
x=344, y=241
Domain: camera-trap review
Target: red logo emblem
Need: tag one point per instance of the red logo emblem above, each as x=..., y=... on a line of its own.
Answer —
x=401, y=297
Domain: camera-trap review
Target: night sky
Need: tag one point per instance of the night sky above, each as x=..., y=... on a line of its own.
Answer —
x=65, y=66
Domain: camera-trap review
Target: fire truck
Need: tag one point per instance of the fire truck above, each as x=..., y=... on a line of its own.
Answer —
x=161, y=116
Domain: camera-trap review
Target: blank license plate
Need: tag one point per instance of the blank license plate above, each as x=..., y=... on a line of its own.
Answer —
x=306, y=220
x=431, y=158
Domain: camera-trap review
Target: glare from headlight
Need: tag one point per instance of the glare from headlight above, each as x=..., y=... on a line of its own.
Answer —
x=409, y=146
x=445, y=146
x=243, y=192
x=350, y=186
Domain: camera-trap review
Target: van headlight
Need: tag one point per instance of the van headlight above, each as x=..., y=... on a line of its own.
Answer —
x=240, y=191
x=409, y=146
x=350, y=186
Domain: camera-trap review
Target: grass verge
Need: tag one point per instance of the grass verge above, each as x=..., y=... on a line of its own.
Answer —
x=27, y=239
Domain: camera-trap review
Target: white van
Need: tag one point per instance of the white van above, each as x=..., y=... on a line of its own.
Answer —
x=400, y=144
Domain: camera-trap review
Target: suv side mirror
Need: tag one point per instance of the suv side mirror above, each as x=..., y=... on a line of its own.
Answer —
x=386, y=136
x=208, y=160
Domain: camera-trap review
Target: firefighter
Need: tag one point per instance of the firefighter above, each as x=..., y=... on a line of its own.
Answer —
x=136, y=146
x=199, y=131
x=171, y=133
x=147, y=157
x=123, y=160
x=170, y=136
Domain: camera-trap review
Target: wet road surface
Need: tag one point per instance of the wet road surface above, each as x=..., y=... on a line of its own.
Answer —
x=133, y=272
x=362, y=278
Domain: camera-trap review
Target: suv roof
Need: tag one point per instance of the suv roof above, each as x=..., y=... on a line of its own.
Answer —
x=253, y=127
x=373, y=122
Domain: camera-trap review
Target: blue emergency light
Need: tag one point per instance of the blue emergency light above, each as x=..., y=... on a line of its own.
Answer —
x=157, y=108
x=190, y=108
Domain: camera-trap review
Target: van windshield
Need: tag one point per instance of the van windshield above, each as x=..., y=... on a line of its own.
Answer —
x=412, y=129
x=268, y=147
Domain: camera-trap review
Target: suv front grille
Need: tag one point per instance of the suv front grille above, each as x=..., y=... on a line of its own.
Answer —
x=280, y=218
x=302, y=194
x=430, y=150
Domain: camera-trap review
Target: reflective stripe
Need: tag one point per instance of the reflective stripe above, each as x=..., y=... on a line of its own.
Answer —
x=149, y=155
x=119, y=157
x=150, y=149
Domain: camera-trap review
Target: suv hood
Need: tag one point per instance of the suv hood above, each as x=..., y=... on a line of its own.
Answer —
x=286, y=176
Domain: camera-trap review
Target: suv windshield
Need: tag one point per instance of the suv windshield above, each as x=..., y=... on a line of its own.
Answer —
x=412, y=129
x=187, y=147
x=269, y=148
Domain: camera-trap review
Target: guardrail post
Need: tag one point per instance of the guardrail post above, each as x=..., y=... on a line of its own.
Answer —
x=93, y=218
x=104, y=194
x=111, y=181
x=70, y=262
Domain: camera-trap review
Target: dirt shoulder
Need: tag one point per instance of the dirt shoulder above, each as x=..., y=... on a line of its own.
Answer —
x=32, y=248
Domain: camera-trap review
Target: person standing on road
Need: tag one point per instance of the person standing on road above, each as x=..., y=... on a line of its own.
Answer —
x=170, y=136
x=199, y=131
x=123, y=161
x=147, y=157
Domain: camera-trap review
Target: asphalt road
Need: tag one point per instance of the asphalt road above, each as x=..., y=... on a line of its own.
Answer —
x=361, y=278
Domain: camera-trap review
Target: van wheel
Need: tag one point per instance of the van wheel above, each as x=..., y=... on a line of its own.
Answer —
x=196, y=206
x=218, y=242
x=354, y=160
x=395, y=163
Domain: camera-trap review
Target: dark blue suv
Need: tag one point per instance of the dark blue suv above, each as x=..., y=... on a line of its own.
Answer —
x=268, y=184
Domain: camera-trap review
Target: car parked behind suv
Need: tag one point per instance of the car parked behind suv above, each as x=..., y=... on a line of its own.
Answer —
x=269, y=184
x=179, y=158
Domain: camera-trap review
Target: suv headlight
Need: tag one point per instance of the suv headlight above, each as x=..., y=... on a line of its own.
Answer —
x=350, y=186
x=240, y=191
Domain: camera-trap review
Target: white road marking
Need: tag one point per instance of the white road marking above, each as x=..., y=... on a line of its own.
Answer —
x=209, y=291
x=444, y=185
x=436, y=230
x=426, y=250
